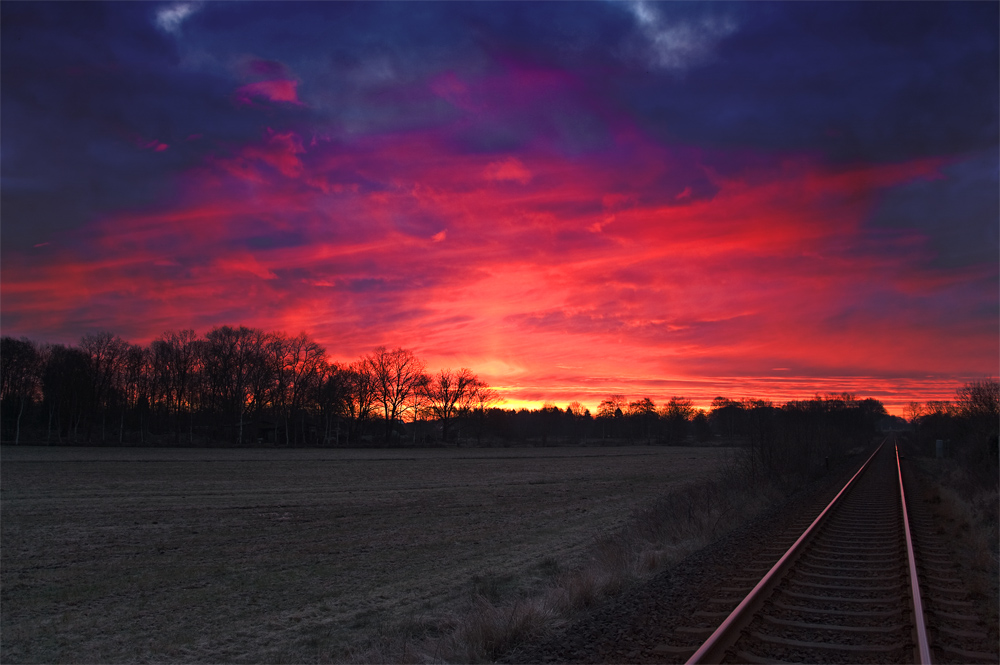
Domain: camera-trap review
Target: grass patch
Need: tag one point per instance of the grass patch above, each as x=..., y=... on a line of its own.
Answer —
x=969, y=514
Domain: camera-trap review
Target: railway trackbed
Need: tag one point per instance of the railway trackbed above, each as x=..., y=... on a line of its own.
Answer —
x=864, y=583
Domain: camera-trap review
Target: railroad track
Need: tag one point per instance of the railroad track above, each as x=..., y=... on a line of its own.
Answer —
x=847, y=591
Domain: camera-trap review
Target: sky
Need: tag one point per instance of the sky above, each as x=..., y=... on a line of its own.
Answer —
x=572, y=199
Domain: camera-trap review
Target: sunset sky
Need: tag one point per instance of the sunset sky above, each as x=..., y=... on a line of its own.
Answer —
x=573, y=200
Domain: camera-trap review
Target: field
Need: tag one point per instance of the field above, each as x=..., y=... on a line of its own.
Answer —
x=112, y=555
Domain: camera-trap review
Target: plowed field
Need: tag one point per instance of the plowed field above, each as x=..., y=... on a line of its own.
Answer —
x=114, y=555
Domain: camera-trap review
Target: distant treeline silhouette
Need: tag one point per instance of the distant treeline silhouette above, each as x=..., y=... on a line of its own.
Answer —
x=968, y=429
x=234, y=386
x=243, y=386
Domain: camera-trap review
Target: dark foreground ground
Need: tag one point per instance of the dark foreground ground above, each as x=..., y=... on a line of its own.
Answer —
x=187, y=555
x=627, y=629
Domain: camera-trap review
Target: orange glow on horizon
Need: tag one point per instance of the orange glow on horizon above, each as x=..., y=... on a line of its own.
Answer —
x=894, y=396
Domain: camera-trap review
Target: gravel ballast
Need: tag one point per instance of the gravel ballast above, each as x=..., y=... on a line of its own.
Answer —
x=628, y=628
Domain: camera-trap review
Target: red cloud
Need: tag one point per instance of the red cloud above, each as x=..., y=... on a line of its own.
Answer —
x=278, y=90
x=510, y=168
x=150, y=144
x=702, y=296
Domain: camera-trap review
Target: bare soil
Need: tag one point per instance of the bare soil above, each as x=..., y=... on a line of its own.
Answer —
x=137, y=555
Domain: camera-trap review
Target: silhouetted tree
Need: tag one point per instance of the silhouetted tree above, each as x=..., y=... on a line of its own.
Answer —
x=232, y=371
x=978, y=404
x=333, y=394
x=642, y=414
x=759, y=420
x=419, y=406
x=20, y=378
x=611, y=414
x=577, y=422
x=395, y=375
x=361, y=398
x=547, y=421
x=448, y=393
x=702, y=428
x=136, y=380
x=177, y=365
x=107, y=355
x=300, y=364
x=727, y=417
x=675, y=414
x=236, y=376
x=68, y=391
x=482, y=401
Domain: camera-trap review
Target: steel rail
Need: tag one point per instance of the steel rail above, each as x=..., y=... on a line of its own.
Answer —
x=920, y=626
x=714, y=647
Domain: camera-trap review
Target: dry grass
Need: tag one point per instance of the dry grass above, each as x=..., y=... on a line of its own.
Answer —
x=974, y=520
x=968, y=512
x=654, y=537
x=124, y=555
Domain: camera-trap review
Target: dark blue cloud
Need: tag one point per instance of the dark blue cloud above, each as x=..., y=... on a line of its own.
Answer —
x=89, y=89
x=854, y=81
x=271, y=239
x=957, y=213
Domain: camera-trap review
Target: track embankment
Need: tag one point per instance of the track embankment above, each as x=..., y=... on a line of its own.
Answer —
x=848, y=572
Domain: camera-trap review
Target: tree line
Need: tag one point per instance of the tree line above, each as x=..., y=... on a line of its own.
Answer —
x=790, y=441
x=968, y=428
x=236, y=386
x=245, y=386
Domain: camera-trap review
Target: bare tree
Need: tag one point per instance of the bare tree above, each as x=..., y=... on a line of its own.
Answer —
x=612, y=411
x=979, y=399
x=107, y=353
x=263, y=357
x=20, y=376
x=332, y=395
x=676, y=414
x=978, y=404
x=936, y=407
x=360, y=397
x=643, y=413
x=176, y=365
x=448, y=393
x=613, y=407
x=300, y=363
x=232, y=370
x=395, y=374
x=135, y=387
x=67, y=387
x=760, y=430
x=419, y=404
x=727, y=416
x=483, y=399
x=700, y=424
